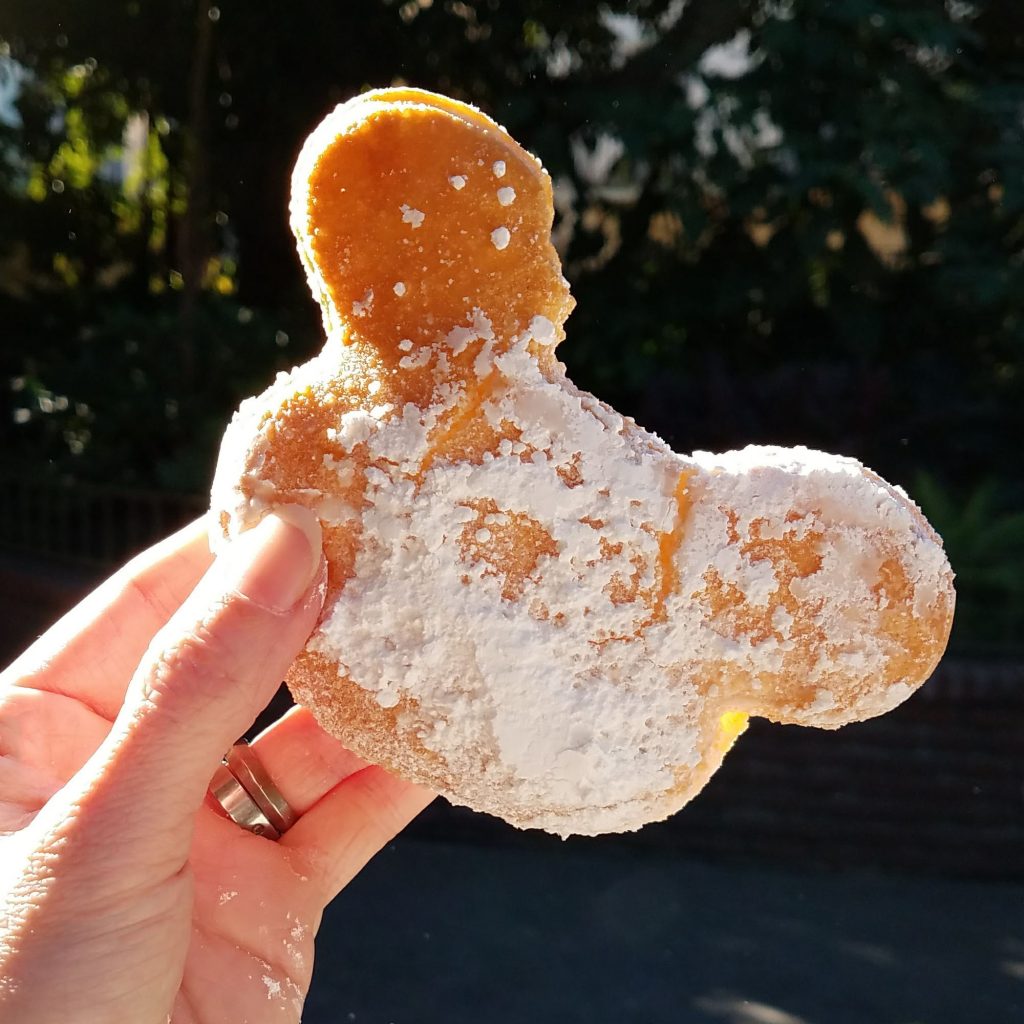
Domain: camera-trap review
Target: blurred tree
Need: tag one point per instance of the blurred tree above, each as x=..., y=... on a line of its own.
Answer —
x=784, y=220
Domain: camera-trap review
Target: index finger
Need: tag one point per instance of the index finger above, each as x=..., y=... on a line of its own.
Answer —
x=91, y=653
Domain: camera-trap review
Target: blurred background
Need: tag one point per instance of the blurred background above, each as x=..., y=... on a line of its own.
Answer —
x=788, y=221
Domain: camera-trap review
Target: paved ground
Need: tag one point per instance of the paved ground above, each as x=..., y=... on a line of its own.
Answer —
x=461, y=934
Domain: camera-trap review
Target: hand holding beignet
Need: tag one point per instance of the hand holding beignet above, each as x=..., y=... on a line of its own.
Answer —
x=535, y=606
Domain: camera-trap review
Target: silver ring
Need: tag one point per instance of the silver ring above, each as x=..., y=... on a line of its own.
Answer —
x=249, y=797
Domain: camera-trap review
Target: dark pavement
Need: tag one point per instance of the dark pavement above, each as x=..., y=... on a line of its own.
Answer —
x=471, y=934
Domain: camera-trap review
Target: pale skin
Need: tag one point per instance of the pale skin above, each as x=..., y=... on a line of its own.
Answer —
x=125, y=895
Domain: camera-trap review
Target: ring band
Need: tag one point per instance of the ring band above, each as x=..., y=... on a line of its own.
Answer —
x=248, y=796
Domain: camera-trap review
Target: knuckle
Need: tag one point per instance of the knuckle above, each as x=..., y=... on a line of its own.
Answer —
x=184, y=666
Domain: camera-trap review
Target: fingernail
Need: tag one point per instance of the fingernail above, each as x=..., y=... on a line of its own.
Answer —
x=275, y=563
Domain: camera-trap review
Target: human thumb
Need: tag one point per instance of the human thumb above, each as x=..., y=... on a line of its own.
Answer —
x=205, y=677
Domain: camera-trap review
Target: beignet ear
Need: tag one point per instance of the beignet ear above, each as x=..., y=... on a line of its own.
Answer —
x=415, y=213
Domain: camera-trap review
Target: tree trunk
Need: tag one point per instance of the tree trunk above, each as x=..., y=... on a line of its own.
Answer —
x=193, y=229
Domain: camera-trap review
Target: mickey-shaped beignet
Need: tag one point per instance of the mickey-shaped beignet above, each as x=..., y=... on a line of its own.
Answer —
x=536, y=607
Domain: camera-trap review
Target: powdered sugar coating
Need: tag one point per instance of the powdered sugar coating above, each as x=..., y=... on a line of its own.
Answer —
x=594, y=712
x=535, y=606
x=412, y=216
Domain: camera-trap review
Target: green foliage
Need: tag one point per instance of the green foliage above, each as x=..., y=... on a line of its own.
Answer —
x=133, y=401
x=984, y=540
x=798, y=221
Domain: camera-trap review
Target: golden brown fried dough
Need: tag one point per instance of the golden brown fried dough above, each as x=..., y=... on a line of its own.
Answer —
x=535, y=606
